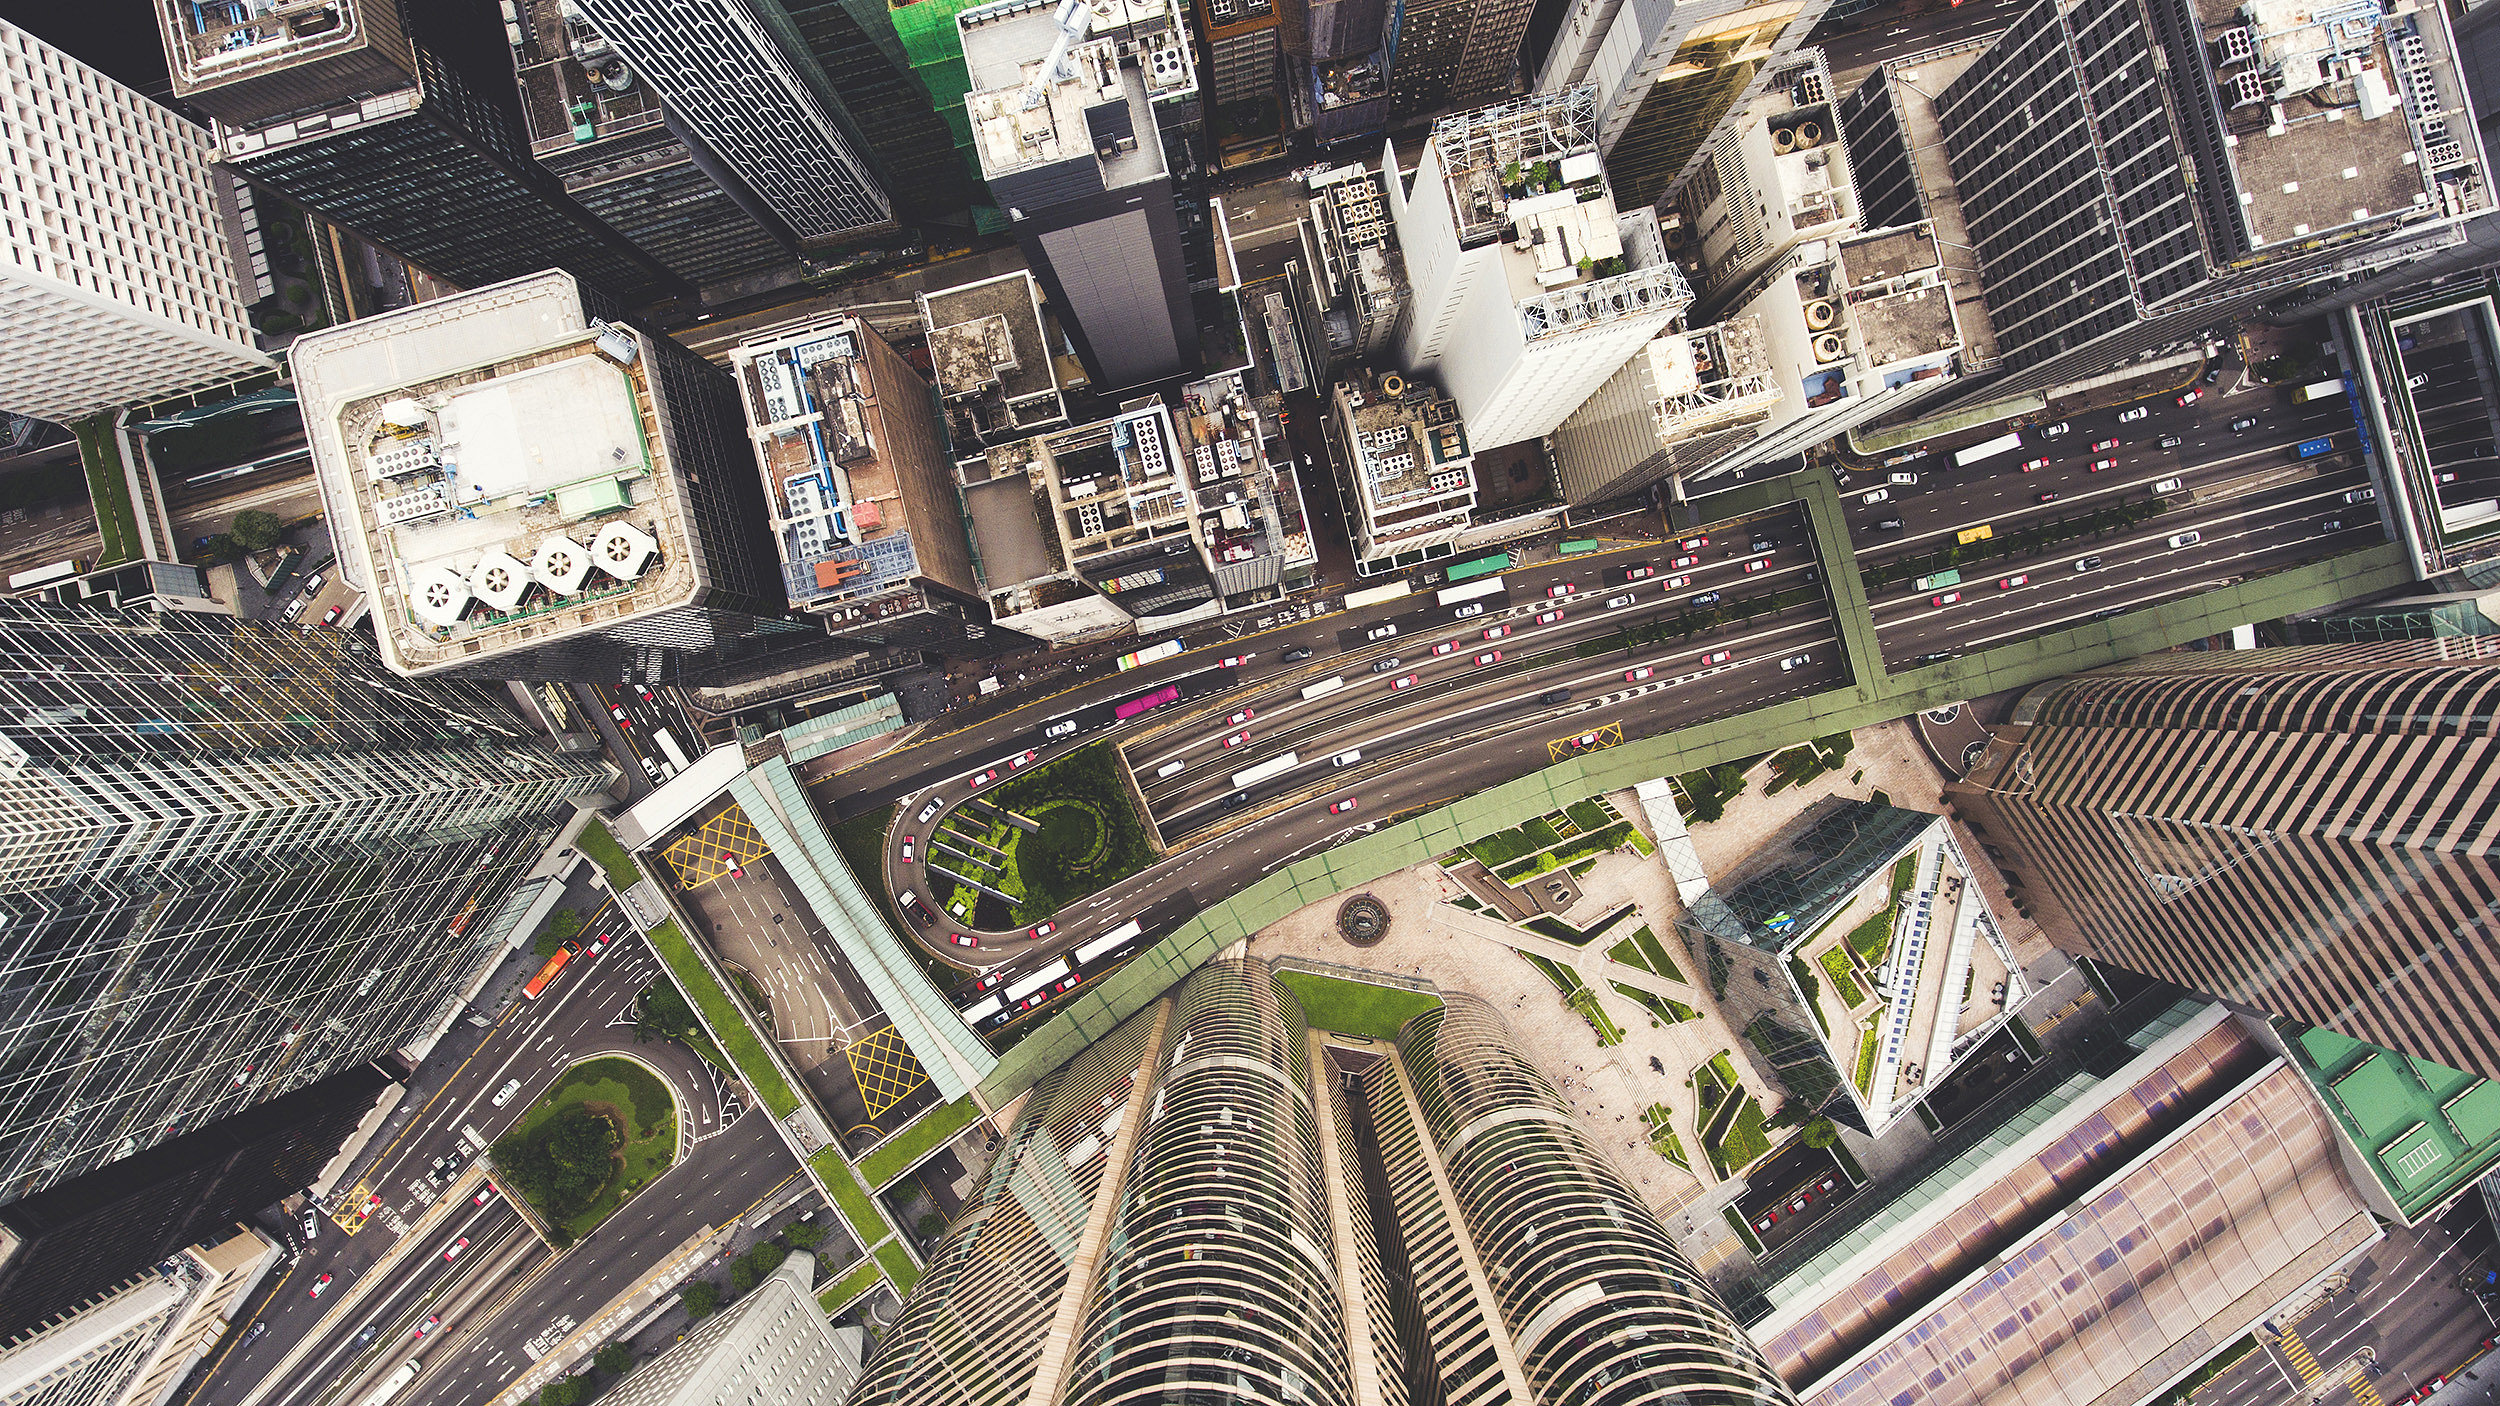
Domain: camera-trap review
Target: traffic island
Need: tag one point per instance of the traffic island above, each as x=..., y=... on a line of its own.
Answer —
x=1062, y=832
x=605, y=1130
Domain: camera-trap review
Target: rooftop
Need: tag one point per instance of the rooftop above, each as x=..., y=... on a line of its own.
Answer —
x=1408, y=443
x=991, y=359
x=574, y=90
x=217, y=43
x=2424, y=1130
x=1097, y=106
x=1711, y=377
x=1779, y=174
x=1249, y=510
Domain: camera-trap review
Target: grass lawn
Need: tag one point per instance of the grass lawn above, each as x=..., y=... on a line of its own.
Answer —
x=1564, y=978
x=1667, y=1012
x=1867, y=1043
x=925, y=1133
x=1743, y=1141
x=898, y=1266
x=642, y=1102
x=1355, y=1007
x=116, y=522
x=603, y=849
x=1835, y=962
x=1872, y=938
x=838, y=1295
x=1904, y=874
x=1585, y=1002
x=1814, y=990
x=1091, y=835
x=1588, y=846
x=737, y=1036
x=857, y=1207
x=1507, y=845
x=1588, y=814
x=1662, y=1135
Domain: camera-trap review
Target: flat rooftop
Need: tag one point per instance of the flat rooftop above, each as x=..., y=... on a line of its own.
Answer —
x=216, y=43
x=2423, y=1129
x=1907, y=325
x=1102, y=105
x=1403, y=440
x=1889, y=255
x=990, y=357
x=839, y=519
x=564, y=106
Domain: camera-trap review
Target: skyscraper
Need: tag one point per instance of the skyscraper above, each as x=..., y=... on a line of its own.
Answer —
x=774, y=1340
x=119, y=284
x=241, y=859
x=1529, y=287
x=1215, y=1193
x=2303, y=830
x=740, y=92
x=1065, y=118
x=2122, y=209
x=399, y=122
x=527, y=490
x=1453, y=54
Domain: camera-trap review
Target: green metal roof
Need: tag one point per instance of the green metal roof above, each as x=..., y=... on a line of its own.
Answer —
x=2425, y=1129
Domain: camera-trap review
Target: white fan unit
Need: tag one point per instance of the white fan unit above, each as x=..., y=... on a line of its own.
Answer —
x=561, y=565
x=499, y=581
x=624, y=551
x=441, y=595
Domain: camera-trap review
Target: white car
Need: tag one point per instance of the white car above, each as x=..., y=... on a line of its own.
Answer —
x=1795, y=661
x=2187, y=539
x=504, y=1094
x=2129, y=417
x=1468, y=611
x=1380, y=632
x=1880, y=495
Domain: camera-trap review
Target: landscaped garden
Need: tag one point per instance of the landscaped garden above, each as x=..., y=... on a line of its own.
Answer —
x=1662, y=1135
x=602, y=1133
x=1571, y=838
x=1089, y=837
x=1732, y=1131
x=1577, y=995
x=1355, y=1007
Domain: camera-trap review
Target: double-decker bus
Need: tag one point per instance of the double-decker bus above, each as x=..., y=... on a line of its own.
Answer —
x=1481, y=566
x=547, y=974
x=1166, y=694
x=1150, y=654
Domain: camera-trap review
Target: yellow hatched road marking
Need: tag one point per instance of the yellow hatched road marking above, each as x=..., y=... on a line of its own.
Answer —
x=725, y=841
x=2298, y=1352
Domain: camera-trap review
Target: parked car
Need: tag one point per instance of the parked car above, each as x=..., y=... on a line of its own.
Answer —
x=1693, y=544
x=1467, y=611
x=331, y=616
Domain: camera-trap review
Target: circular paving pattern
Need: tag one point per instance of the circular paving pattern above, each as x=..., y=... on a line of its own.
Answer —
x=1363, y=920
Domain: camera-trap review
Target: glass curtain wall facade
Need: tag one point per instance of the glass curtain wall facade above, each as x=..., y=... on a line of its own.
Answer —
x=235, y=859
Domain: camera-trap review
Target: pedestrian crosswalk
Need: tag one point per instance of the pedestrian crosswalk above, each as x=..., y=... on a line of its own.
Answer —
x=2297, y=1353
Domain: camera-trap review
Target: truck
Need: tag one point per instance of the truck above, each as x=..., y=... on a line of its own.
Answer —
x=668, y=748
x=391, y=1386
x=1267, y=770
x=1473, y=590
x=1987, y=449
x=2312, y=448
x=46, y=575
x=1107, y=944
x=2317, y=390
x=1324, y=687
x=1938, y=581
x=1377, y=595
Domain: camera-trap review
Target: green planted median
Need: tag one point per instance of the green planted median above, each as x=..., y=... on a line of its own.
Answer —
x=923, y=1136
x=720, y=1011
x=857, y=1207
x=604, y=851
x=898, y=1266
x=843, y=1292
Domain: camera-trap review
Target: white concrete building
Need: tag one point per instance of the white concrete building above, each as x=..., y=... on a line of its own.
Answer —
x=774, y=1345
x=134, y=1345
x=119, y=285
x=1528, y=287
x=1412, y=468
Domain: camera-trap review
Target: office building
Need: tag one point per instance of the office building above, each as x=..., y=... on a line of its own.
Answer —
x=732, y=85
x=1453, y=54
x=866, y=517
x=527, y=490
x=1529, y=287
x=133, y=1344
x=869, y=77
x=607, y=136
x=1064, y=109
x=120, y=285
x=1410, y=469
x=1668, y=76
x=773, y=1344
x=2124, y=210
x=1345, y=77
x=1246, y=504
x=1215, y=1192
x=1356, y=276
x=399, y=122
x=2301, y=831
x=1245, y=48
x=990, y=354
x=1685, y=400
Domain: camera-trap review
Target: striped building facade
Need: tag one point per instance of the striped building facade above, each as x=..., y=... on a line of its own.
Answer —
x=1215, y=1203
x=2304, y=831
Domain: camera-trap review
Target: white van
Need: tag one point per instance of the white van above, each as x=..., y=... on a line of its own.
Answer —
x=504, y=1094
x=1901, y=478
x=1172, y=768
x=2168, y=485
x=1346, y=758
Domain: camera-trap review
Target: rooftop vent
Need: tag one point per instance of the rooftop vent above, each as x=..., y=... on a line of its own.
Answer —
x=624, y=551
x=498, y=580
x=440, y=597
x=561, y=565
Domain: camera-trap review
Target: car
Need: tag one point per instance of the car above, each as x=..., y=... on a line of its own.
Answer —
x=1490, y=656
x=1767, y=1219
x=2059, y=428
x=456, y=1247
x=1038, y=997
x=980, y=779
x=647, y=695
x=2417, y=380
x=1800, y=1203
x=1693, y=544
x=1762, y=544
x=243, y=1077
x=1403, y=681
x=1904, y=480
x=1235, y=661
x=2033, y=466
x=1619, y=602
x=2048, y=498
x=1341, y=807
x=2213, y=376
x=1948, y=598
x=1068, y=984
x=319, y=1284
x=2129, y=417
x=312, y=1222
x=931, y=809
x=2427, y=1389
x=2088, y=564
x=907, y=849
x=730, y=862
x=1041, y=930
x=1641, y=572
x=1380, y=632
x=1065, y=727
x=2191, y=397
x=1757, y=564
x=2245, y=422
x=1677, y=583
x=2186, y=539
x=1241, y=717
x=484, y=1194
x=1880, y=495
x=1584, y=741
x=1296, y=655
x=1795, y=661
x=597, y=945
x=2362, y=495
x=1549, y=617
x=1558, y=592
x=1237, y=738
x=331, y=616
x=428, y=1326
x=1890, y=524
x=1829, y=1183
x=617, y=711
x=1021, y=760
x=1495, y=632
x=1705, y=598
x=312, y=583
x=961, y=940
x=1446, y=647
x=2100, y=464
x=1468, y=611
x=2444, y=477
x=2168, y=485
x=1551, y=695
x=2019, y=578
x=2171, y=441
x=2105, y=446
x=2333, y=524
x=1681, y=563
x=1716, y=656
x=1643, y=672
x=252, y=1334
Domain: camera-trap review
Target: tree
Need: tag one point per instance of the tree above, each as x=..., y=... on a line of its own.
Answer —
x=752, y=1267
x=662, y=1010
x=1819, y=1134
x=702, y=1299
x=564, y=1391
x=255, y=530
x=615, y=1359
x=562, y=927
x=807, y=1235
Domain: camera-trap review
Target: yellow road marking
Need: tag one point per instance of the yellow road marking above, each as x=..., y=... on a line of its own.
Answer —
x=725, y=842
x=1608, y=735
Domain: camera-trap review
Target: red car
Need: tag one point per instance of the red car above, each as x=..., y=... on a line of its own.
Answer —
x=984, y=778
x=485, y=1194
x=1767, y=1219
x=2022, y=578
x=907, y=847
x=1341, y=807
x=2048, y=497
x=1757, y=564
x=1446, y=647
x=1237, y=739
x=331, y=616
x=1682, y=562
x=1947, y=598
x=962, y=941
x=1022, y=760
x=318, y=1285
x=2192, y=397
x=1396, y=684
x=1243, y=716
x=1639, y=573
x=730, y=862
x=1584, y=741
x=1716, y=656
x=1677, y=583
x=1694, y=544
x=427, y=1326
x=2105, y=446
x=1041, y=930
x=1495, y=632
x=1235, y=661
x=456, y=1247
x=1550, y=617
x=2033, y=466
x=597, y=945
x=2099, y=464
x=1636, y=675
x=1558, y=592
x=1490, y=656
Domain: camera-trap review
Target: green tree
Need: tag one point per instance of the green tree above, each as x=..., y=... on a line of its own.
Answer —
x=255, y=530
x=564, y=1391
x=1819, y=1133
x=615, y=1359
x=662, y=1010
x=752, y=1267
x=562, y=927
x=702, y=1298
x=807, y=1235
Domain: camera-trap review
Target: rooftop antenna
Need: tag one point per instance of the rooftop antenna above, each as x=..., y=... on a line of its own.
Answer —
x=1076, y=19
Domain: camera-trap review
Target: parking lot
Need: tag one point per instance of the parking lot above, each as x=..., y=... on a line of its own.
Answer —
x=2450, y=384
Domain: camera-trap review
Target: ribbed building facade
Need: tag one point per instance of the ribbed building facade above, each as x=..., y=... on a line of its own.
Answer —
x=1215, y=1203
x=2305, y=831
x=771, y=1345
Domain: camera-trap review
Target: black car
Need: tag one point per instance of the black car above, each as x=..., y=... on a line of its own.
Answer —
x=2214, y=376
x=1237, y=800
x=2244, y=423
x=1705, y=598
x=1296, y=655
x=1554, y=695
x=1890, y=524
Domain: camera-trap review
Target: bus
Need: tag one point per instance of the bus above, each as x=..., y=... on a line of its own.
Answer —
x=1267, y=770
x=1026, y=986
x=1107, y=944
x=1375, y=595
x=46, y=575
x=668, y=748
x=1150, y=654
x=1324, y=687
x=393, y=1384
x=1481, y=566
x=1573, y=549
x=2312, y=448
x=1986, y=449
x=1939, y=580
x=1166, y=694
x=1473, y=590
x=548, y=973
x=1968, y=535
x=984, y=1008
x=2317, y=390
